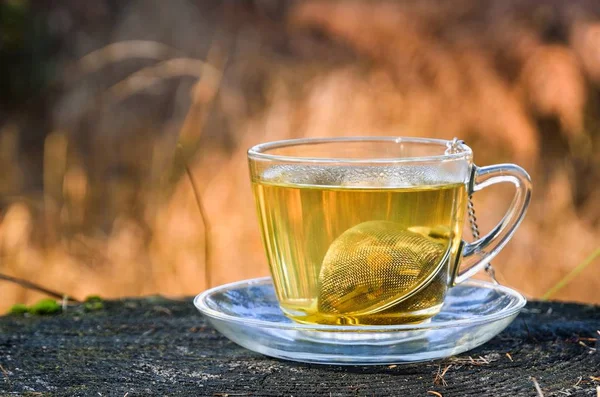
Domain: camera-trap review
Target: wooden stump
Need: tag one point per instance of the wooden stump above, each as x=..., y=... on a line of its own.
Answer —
x=155, y=346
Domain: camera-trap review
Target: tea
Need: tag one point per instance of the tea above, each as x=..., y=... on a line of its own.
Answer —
x=377, y=252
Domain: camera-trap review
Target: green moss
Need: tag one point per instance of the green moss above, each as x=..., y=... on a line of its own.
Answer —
x=19, y=308
x=93, y=303
x=156, y=299
x=45, y=307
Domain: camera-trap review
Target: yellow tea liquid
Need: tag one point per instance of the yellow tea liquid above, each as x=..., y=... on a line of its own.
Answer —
x=365, y=235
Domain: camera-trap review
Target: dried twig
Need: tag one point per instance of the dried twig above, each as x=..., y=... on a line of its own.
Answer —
x=357, y=387
x=213, y=81
x=36, y=287
x=509, y=357
x=206, y=224
x=592, y=349
x=439, y=376
x=4, y=371
x=587, y=339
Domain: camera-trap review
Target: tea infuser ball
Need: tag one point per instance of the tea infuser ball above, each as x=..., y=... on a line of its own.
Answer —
x=375, y=264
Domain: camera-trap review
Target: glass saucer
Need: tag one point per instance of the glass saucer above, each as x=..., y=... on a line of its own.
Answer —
x=247, y=312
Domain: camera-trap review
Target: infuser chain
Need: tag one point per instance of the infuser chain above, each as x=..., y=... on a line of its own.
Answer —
x=453, y=148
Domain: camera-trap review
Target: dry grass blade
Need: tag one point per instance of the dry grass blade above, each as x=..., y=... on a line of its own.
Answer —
x=538, y=389
x=219, y=394
x=475, y=361
x=149, y=76
x=572, y=274
x=36, y=287
x=435, y=393
x=203, y=96
x=124, y=50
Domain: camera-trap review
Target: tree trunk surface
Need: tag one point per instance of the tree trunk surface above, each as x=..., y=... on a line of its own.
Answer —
x=156, y=346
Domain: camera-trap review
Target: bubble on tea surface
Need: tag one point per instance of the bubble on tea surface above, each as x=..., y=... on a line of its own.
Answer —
x=304, y=175
x=375, y=264
x=360, y=176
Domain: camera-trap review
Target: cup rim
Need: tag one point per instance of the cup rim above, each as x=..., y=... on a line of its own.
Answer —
x=260, y=151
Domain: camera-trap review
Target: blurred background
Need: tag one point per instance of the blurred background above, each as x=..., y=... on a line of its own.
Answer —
x=124, y=126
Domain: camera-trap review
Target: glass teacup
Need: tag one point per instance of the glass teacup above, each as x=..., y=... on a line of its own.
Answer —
x=369, y=230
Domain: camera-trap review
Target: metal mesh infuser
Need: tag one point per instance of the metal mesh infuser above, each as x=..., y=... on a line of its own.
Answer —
x=375, y=264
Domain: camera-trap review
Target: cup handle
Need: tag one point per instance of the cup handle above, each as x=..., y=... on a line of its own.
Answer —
x=479, y=253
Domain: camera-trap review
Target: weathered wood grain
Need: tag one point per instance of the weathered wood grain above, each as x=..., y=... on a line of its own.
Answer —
x=155, y=346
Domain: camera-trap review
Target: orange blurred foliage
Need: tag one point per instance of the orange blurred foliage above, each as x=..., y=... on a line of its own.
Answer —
x=109, y=209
